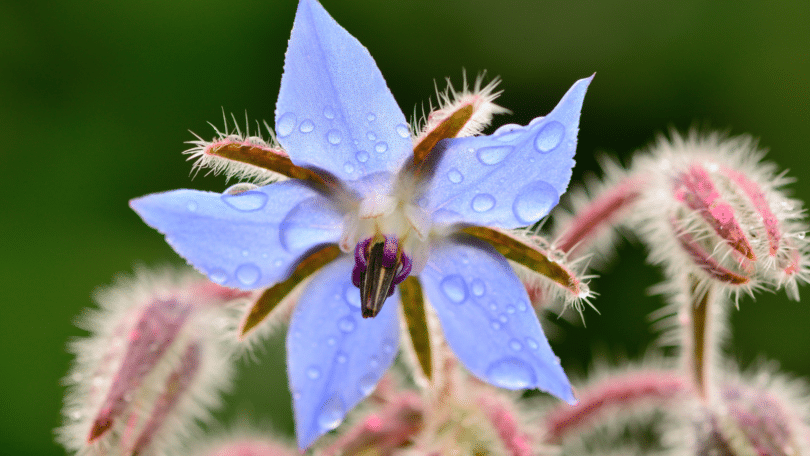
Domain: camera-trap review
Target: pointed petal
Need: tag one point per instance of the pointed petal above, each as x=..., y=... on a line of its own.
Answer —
x=511, y=178
x=247, y=240
x=334, y=110
x=334, y=356
x=487, y=319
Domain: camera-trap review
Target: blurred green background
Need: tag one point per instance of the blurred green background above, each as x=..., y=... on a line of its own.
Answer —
x=97, y=98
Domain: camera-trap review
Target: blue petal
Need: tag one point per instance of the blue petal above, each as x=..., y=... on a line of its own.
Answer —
x=511, y=178
x=334, y=356
x=334, y=109
x=248, y=240
x=487, y=319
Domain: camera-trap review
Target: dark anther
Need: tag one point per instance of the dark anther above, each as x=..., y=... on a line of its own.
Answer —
x=378, y=268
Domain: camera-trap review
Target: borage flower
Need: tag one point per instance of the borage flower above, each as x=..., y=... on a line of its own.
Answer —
x=373, y=213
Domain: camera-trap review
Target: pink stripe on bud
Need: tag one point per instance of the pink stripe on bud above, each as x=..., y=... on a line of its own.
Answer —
x=148, y=340
x=757, y=198
x=617, y=392
x=505, y=422
x=600, y=214
x=177, y=384
x=703, y=260
x=695, y=188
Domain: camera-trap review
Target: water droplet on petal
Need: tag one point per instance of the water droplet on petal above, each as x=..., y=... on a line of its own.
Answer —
x=241, y=187
x=361, y=156
x=352, y=295
x=493, y=155
x=374, y=362
x=331, y=341
x=455, y=176
x=332, y=412
x=346, y=324
x=245, y=253
x=313, y=373
x=503, y=318
x=454, y=288
x=370, y=117
x=334, y=137
x=403, y=131
x=482, y=202
x=522, y=306
x=218, y=276
x=285, y=124
x=278, y=262
x=535, y=120
x=381, y=146
x=511, y=373
x=366, y=384
x=549, y=137
x=495, y=325
x=371, y=136
x=306, y=126
x=478, y=287
x=508, y=132
x=248, y=274
x=510, y=309
x=341, y=357
x=328, y=112
x=515, y=345
x=532, y=343
x=246, y=201
x=534, y=201
x=348, y=167
x=388, y=347
x=191, y=206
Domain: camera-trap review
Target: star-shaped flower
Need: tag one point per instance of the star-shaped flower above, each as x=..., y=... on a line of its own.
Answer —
x=382, y=218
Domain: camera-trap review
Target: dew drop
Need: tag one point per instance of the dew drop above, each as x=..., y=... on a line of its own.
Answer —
x=246, y=201
x=248, y=274
x=366, y=384
x=334, y=137
x=403, y=131
x=503, y=318
x=374, y=362
x=515, y=345
x=341, y=357
x=241, y=187
x=478, y=287
x=328, y=112
x=191, y=206
x=388, y=347
x=482, y=202
x=549, y=137
x=508, y=132
x=505, y=128
x=532, y=343
x=351, y=295
x=348, y=167
x=285, y=124
x=245, y=253
x=313, y=373
x=493, y=155
x=510, y=309
x=278, y=262
x=346, y=324
x=511, y=373
x=306, y=126
x=331, y=341
x=534, y=201
x=454, y=288
x=361, y=156
x=495, y=325
x=371, y=136
x=370, y=117
x=455, y=176
x=331, y=414
x=218, y=276
x=381, y=146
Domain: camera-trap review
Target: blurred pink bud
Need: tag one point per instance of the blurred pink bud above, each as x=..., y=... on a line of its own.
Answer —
x=153, y=365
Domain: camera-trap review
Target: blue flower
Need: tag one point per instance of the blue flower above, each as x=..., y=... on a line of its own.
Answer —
x=393, y=214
